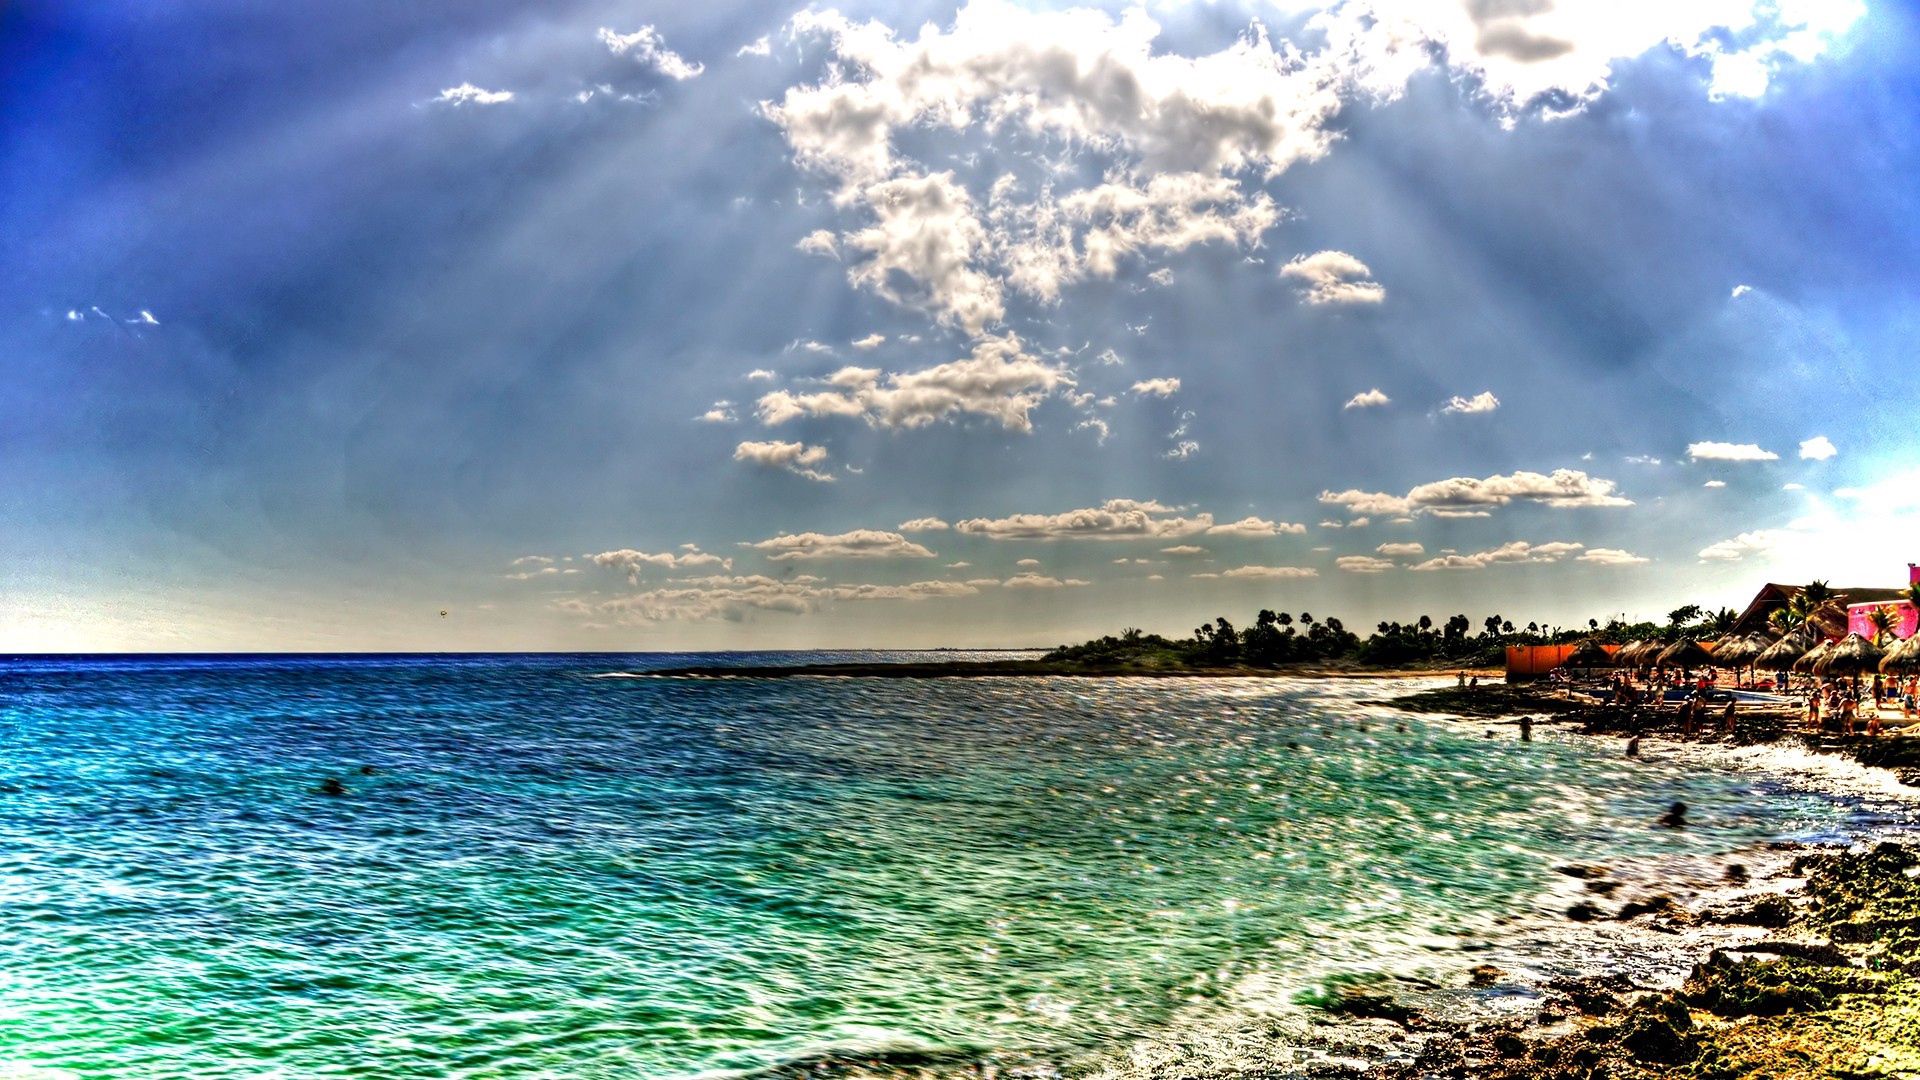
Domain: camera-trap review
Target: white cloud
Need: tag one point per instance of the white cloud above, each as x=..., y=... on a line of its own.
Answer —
x=533, y=560
x=1793, y=487
x=469, y=94
x=734, y=598
x=1157, y=387
x=819, y=242
x=1116, y=519
x=1518, y=551
x=720, y=413
x=1041, y=581
x=1334, y=277
x=1757, y=542
x=1714, y=484
x=925, y=524
x=998, y=381
x=1641, y=459
x=1182, y=450
x=1367, y=399
x=1818, y=448
x=797, y=458
x=1483, y=402
x=1180, y=551
x=1741, y=290
x=1363, y=564
x=1405, y=550
x=633, y=563
x=1162, y=277
x=1254, y=526
x=761, y=375
x=871, y=341
x=1724, y=451
x=1612, y=557
x=649, y=49
x=1271, y=573
x=1463, y=496
x=759, y=46
x=856, y=544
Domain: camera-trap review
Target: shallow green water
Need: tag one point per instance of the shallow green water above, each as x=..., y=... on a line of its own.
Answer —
x=552, y=874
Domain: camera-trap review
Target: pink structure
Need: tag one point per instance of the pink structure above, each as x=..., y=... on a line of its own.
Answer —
x=1857, y=614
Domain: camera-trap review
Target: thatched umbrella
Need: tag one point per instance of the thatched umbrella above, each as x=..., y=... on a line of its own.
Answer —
x=1685, y=654
x=1852, y=656
x=1812, y=657
x=1903, y=658
x=1630, y=654
x=1733, y=651
x=1588, y=654
x=1829, y=619
x=1780, y=655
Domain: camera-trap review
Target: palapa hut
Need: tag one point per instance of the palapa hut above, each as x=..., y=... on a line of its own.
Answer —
x=1588, y=654
x=1812, y=656
x=1903, y=658
x=1734, y=650
x=1685, y=654
x=1780, y=655
x=1853, y=655
x=1630, y=654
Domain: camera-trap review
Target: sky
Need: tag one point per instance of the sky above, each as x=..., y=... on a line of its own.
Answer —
x=503, y=324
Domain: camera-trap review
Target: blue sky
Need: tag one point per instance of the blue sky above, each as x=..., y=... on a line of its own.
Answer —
x=634, y=325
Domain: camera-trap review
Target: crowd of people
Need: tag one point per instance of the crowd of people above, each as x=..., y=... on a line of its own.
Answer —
x=1833, y=705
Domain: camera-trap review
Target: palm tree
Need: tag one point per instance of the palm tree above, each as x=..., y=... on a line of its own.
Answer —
x=1783, y=620
x=1884, y=619
x=1721, y=622
x=1817, y=592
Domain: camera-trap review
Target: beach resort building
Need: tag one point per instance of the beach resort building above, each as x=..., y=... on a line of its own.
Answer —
x=1858, y=602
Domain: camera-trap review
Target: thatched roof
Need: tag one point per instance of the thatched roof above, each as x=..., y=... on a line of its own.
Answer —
x=1632, y=654
x=1685, y=653
x=1829, y=618
x=1903, y=658
x=1588, y=654
x=1813, y=656
x=1852, y=656
x=1736, y=651
x=1781, y=654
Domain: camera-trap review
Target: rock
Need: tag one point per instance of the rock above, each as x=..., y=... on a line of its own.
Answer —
x=1657, y=1030
x=1375, y=1004
x=1648, y=906
x=1583, y=873
x=1484, y=975
x=1584, y=912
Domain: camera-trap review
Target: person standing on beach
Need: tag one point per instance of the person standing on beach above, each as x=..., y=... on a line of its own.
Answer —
x=1726, y=720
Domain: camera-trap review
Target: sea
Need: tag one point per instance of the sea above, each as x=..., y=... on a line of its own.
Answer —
x=562, y=866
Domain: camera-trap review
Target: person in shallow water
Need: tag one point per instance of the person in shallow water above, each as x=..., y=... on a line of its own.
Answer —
x=1526, y=728
x=1633, y=746
x=1675, y=817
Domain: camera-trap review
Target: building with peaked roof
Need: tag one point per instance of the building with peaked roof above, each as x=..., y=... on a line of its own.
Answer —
x=1774, y=596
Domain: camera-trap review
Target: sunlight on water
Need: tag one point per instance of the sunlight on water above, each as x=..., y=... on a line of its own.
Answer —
x=543, y=872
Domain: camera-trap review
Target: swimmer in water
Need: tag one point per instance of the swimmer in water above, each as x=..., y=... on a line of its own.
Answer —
x=1675, y=817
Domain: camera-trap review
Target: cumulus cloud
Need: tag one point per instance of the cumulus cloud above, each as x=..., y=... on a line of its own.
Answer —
x=1179, y=550
x=1406, y=550
x=1757, y=542
x=1363, y=564
x=469, y=94
x=1157, y=387
x=649, y=49
x=797, y=458
x=720, y=413
x=1725, y=451
x=1367, y=399
x=1032, y=580
x=871, y=341
x=1463, y=496
x=1483, y=402
x=856, y=544
x=1333, y=277
x=735, y=598
x=1714, y=484
x=999, y=381
x=759, y=46
x=1183, y=142
x=924, y=524
x=1518, y=551
x=1818, y=448
x=1612, y=557
x=1271, y=573
x=761, y=375
x=633, y=563
x=1254, y=526
x=1740, y=291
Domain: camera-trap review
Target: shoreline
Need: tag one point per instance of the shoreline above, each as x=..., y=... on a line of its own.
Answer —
x=1035, y=669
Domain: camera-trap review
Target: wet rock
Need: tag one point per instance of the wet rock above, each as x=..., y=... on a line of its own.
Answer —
x=1484, y=975
x=1658, y=1030
x=1369, y=1003
x=1771, y=912
x=1584, y=912
x=1645, y=906
x=1583, y=873
x=1602, y=888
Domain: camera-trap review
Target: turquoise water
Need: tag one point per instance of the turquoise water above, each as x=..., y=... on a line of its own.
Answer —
x=548, y=872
